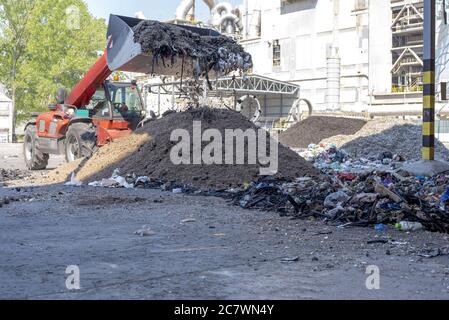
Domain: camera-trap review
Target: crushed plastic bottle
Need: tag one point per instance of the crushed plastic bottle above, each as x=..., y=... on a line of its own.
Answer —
x=409, y=226
x=444, y=199
x=380, y=227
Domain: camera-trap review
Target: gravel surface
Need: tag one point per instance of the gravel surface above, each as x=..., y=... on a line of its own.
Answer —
x=197, y=248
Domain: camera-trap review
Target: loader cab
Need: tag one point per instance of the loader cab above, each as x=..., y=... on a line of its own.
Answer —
x=118, y=101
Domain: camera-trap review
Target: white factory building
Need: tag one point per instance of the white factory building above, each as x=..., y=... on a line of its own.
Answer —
x=359, y=57
x=347, y=55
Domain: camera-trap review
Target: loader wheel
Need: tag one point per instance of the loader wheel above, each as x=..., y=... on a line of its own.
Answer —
x=34, y=159
x=80, y=141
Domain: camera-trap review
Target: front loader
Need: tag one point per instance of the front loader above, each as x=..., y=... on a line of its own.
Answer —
x=98, y=110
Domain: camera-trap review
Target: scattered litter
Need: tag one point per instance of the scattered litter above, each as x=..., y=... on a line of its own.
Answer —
x=378, y=241
x=144, y=232
x=409, y=226
x=219, y=235
x=73, y=182
x=322, y=233
x=177, y=191
x=380, y=227
x=433, y=253
x=384, y=192
x=128, y=182
x=370, y=198
x=290, y=260
x=335, y=199
x=188, y=221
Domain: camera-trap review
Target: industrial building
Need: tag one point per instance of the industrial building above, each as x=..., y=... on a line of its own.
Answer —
x=347, y=55
x=5, y=117
x=351, y=56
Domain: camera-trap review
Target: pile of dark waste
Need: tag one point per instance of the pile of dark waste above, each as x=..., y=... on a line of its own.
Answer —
x=316, y=128
x=148, y=154
x=168, y=42
x=376, y=199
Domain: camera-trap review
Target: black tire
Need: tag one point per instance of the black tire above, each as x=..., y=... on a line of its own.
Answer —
x=80, y=141
x=34, y=159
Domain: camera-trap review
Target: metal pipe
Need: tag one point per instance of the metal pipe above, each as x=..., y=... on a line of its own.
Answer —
x=229, y=17
x=186, y=7
x=218, y=11
x=210, y=3
x=183, y=9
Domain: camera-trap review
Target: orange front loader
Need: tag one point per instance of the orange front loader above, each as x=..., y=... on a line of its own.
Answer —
x=98, y=110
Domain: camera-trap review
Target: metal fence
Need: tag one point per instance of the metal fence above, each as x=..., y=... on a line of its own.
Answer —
x=442, y=130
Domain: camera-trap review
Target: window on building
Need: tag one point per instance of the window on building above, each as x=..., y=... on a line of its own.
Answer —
x=290, y=6
x=276, y=53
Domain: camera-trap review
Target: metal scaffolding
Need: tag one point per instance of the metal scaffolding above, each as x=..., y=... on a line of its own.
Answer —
x=407, y=52
x=275, y=99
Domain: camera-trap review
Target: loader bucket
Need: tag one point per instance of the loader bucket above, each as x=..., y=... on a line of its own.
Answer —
x=123, y=54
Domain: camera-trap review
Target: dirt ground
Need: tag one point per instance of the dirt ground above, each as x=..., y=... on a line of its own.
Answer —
x=197, y=248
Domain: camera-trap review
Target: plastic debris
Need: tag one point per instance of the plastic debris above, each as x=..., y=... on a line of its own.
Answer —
x=128, y=182
x=335, y=199
x=290, y=260
x=73, y=182
x=380, y=227
x=409, y=226
x=370, y=198
x=145, y=231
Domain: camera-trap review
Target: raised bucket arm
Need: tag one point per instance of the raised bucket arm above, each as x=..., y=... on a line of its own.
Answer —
x=124, y=54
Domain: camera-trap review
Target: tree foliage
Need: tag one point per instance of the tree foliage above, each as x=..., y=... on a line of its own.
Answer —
x=61, y=40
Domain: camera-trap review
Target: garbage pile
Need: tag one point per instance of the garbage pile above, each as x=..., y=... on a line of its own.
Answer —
x=329, y=158
x=372, y=199
x=168, y=42
x=361, y=192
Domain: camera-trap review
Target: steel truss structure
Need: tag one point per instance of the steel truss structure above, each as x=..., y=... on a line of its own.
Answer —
x=228, y=87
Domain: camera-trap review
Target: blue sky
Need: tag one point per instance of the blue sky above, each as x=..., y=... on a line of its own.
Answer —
x=153, y=9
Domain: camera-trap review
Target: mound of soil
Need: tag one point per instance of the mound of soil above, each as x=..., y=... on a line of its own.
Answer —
x=168, y=41
x=147, y=153
x=315, y=129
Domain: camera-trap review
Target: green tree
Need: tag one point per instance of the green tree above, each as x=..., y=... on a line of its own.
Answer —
x=62, y=41
x=14, y=17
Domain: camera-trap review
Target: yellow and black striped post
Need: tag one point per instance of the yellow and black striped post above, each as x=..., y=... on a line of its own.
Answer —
x=428, y=150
